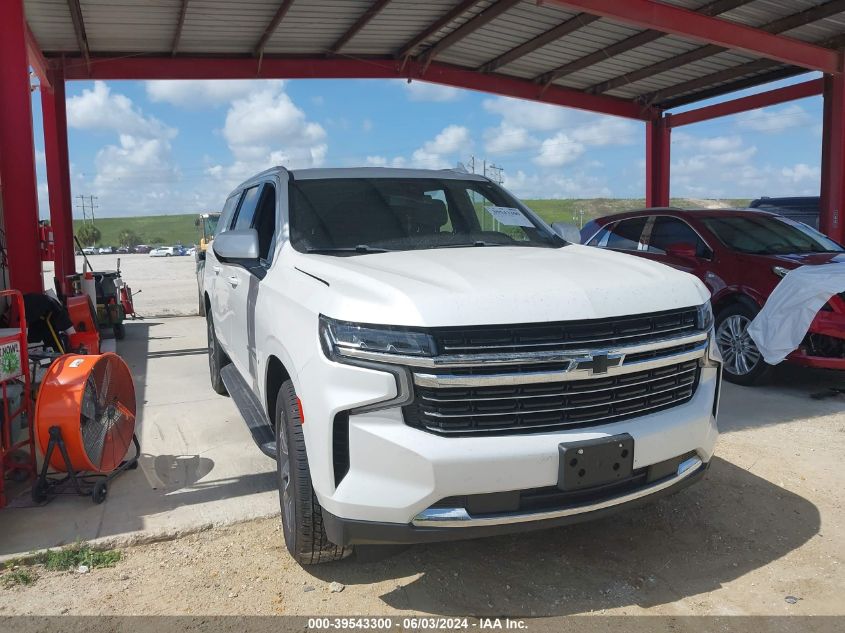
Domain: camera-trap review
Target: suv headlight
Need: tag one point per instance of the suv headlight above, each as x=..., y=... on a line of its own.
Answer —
x=341, y=338
x=704, y=317
x=371, y=346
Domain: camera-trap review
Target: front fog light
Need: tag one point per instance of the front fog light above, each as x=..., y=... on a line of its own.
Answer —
x=343, y=338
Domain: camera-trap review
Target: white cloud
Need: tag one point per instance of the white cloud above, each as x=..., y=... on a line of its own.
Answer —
x=507, y=138
x=802, y=172
x=444, y=149
x=772, y=121
x=556, y=185
x=100, y=109
x=423, y=91
x=559, y=150
x=266, y=128
x=607, y=130
x=201, y=93
x=528, y=114
x=367, y=125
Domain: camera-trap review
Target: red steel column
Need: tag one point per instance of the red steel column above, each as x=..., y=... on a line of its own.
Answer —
x=658, y=154
x=58, y=173
x=832, y=219
x=17, y=153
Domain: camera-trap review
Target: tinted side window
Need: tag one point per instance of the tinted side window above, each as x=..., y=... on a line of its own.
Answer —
x=671, y=231
x=265, y=222
x=246, y=212
x=227, y=213
x=626, y=234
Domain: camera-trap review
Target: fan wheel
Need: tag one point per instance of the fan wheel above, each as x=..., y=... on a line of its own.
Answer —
x=91, y=399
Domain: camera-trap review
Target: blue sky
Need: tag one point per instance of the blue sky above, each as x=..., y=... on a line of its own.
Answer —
x=181, y=146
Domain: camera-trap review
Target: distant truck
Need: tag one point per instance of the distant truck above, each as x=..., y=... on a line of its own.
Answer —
x=206, y=224
x=799, y=208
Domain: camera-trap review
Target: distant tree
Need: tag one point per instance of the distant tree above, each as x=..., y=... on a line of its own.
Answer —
x=128, y=237
x=158, y=240
x=88, y=234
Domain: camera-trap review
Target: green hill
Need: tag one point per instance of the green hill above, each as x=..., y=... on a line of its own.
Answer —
x=180, y=229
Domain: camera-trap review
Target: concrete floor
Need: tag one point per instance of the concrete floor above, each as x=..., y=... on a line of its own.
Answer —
x=199, y=467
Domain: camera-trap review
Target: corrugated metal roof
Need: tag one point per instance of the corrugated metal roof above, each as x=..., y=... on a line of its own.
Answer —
x=312, y=27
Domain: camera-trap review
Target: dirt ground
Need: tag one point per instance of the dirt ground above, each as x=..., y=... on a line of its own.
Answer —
x=763, y=533
x=162, y=286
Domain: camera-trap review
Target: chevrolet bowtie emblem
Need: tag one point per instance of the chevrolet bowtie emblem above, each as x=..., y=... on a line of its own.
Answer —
x=598, y=363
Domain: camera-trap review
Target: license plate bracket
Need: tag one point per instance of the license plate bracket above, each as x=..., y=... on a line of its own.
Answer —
x=597, y=462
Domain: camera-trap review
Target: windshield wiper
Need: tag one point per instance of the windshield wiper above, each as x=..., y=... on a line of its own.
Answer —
x=361, y=248
x=471, y=244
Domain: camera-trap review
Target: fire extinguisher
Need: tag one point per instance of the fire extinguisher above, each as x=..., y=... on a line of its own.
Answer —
x=47, y=244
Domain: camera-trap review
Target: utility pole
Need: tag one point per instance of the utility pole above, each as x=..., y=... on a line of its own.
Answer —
x=472, y=164
x=90, y=206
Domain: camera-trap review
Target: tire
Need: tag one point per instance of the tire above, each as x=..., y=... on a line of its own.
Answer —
x=200, y=303
x=743, y=363
x=302, y=516
x=100, y=492
x=217, y=358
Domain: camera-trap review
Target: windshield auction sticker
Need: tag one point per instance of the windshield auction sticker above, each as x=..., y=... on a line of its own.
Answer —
x=509, y=216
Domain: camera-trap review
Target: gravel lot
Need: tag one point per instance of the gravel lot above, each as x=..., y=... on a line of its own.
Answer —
x=763, y=533
x=164, y=286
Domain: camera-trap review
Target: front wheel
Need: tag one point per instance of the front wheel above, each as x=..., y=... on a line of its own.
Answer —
x=743, y=362
x=302, y=515
x=216, y=358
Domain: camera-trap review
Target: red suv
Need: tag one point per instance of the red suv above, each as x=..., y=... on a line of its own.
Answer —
x=740, y=255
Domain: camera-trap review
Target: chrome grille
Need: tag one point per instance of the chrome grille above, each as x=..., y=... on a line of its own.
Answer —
x=566, y=335
x=549, y=406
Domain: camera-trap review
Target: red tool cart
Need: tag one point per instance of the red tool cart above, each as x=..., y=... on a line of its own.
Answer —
x=17, y=448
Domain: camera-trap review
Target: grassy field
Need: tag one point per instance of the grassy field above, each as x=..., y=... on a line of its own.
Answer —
x=180, y=229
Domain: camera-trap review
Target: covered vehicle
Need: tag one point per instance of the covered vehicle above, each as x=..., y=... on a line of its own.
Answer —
x=741, y=255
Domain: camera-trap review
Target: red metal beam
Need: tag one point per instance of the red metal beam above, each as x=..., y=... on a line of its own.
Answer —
x=561, y=30
x=453, y=14
x=58, y=175
x=648, y=14
x=832, y=218
x=79, y=29
x=467, y=28
x=139, y=68
x=180, y=23
x=281, y=12
x=373, y=10
x=17, y=154
x=752, y=102
x=630, y=43
x=658, y=147
x=36, y=60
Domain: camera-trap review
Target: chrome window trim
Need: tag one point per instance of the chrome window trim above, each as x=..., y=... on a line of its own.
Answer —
x=459, y=517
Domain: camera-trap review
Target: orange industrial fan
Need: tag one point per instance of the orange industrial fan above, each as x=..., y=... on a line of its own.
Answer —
x=84, y=423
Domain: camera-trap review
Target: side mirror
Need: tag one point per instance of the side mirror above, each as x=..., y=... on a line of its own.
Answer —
x=682, y=250
x=236, y=246
x=569, y=232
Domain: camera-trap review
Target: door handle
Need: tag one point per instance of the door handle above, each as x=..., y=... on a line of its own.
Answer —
x=216, y=270
x=234, y=281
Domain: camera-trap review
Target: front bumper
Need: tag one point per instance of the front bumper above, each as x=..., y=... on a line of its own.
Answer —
x=443, y=524
x=395, y=472
x=830, y=324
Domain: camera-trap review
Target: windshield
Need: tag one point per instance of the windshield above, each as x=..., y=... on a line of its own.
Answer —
x=767, y=235
x=349, y=216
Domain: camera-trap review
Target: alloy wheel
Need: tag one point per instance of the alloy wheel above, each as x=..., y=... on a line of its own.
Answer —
x=285, y=492
x=739, y=352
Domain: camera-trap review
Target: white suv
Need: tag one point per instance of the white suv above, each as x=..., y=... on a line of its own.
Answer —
x=426, y=359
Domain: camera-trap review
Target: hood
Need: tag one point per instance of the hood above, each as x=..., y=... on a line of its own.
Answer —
x=497, y=285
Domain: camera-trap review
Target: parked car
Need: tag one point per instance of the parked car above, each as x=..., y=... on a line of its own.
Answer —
x=142, y=249
x=164, y=251
x=801, y=209
x=419, y=378
x=123, y=250
x=90, y=250
x=740, y=255
x=106, y=250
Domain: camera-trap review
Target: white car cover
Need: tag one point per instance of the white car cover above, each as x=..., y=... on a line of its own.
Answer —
x=783, y=322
